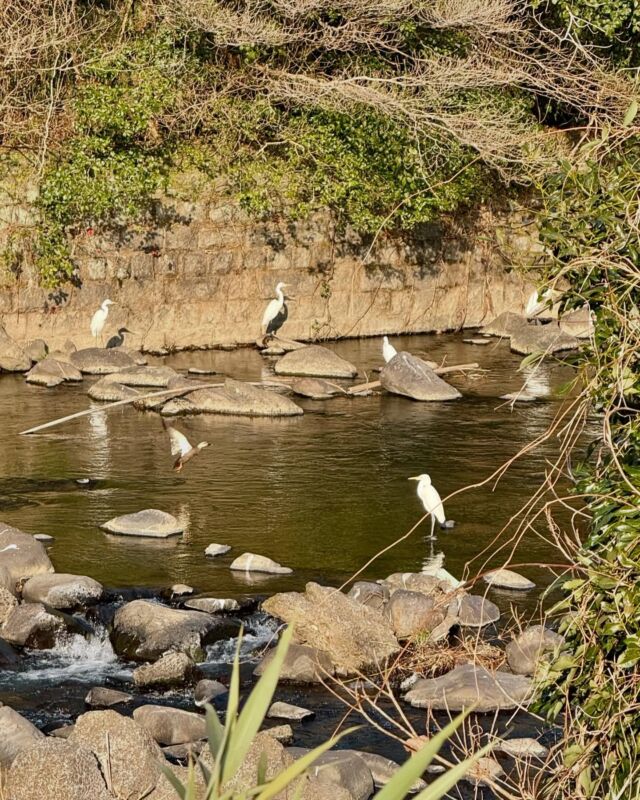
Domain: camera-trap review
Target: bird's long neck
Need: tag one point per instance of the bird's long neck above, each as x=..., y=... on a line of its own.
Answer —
x=280, y=296
x=105, y=308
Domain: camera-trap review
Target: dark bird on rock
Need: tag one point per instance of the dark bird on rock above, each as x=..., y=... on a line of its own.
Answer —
x=117, y=340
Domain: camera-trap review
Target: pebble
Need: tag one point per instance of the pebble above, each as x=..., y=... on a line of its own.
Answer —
x=216, y=549
x=199, y=371
x=281, y=710
x=522, y=748
x=480, y=342
x=43, y=537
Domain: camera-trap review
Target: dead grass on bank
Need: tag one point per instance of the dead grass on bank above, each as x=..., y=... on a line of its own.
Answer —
x=430, y=659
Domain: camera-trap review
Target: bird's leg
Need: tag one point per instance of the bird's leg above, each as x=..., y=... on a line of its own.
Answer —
x=433, y=525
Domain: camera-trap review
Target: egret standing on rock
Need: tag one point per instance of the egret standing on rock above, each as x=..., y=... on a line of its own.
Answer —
x=276, y=313
x=388, y=350
x=430, y=500
x=99, y=319
x=181, y=447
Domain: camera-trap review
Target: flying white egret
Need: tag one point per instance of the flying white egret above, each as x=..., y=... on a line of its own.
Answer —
x=181, y=447
x=117, y=340
x=388, y=350
x=99, y=318
x=537, y=303
x=430, y=500
x=276, y=313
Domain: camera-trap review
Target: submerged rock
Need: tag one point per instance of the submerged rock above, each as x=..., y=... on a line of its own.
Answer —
x=354, y=636
x=547, y=339
x=411, y=613
x=18, y=734
x=281, y=710
x=103, y=697
x=31, y=625
x=235, y=397
x=171, y=669
x=169, y=726
x=62, y=591
x=469, y=685
x=410, y=376
x=315, y=361
x=52, y=372
x=302, y=664
x=526, y=650
x=21, y=556
x=214, y=549
x=252, y=562
x=507, y=579
x=99, y=361
x=150, y=522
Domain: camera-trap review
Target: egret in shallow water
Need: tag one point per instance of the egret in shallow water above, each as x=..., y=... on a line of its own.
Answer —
x=431, y=501
x=99, y=319
x=388, y=350
x=117, y=340
x=276, y=313
x=181, y=447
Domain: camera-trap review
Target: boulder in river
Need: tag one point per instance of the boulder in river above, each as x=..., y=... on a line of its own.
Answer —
x=470, y=685
x=170, y=726
x=416, y=582
x=342, y=769
x=484, y=772
x=55, y=769
x=8, y=656
x=302, y=664
x=252, y=562
x=100, y=361
x=13, y=357
x=408, y=375
x=61, y=590
x=36, y=349
x=144, y=630
x=546, y=339
x=507, y=579
x=171, y=669
x=316, y=388
x=150, y=522
x=316, y=362
x=525, y=651
x=505, y=325
x=474, y=611
x=236, y=398
x=104, y=697
x=213, y=605
x=149, y=377
x=108, y=391
x=18, y=734
x=383, y=769
x=21, y=556
x=125, y=750
x=374, y=595
x=32, y=625
x=355, y=637
x=577, y=323
x=52, y=372
x=413, y=612
x=280, y=710
x=525, y=747
x=212, y=550
x=207, y=690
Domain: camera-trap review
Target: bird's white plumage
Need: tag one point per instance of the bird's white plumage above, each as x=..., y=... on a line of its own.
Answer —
x=536, y=306
x=99, y=318
x=180, y=445
x=274, y=307
x=430, y=498
x=388, y=350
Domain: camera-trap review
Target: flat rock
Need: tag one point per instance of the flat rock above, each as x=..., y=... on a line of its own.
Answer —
x=281, y=710
x=411, y=613
x=526, y=650
x=171, y=669
x=170, y=726
x=546, y=339
x=32, y=625
x=410, y=376
x=21, y=556
x=374, y=595
x=150, y=522
x=273, y=350
x=54, y=769
x=52, y=372
x=99, y=361
x=355, y=637
x=200, y=371
x=315, y=361
x=235, y=398
x=180, y=383
x=341, y=768
x=215, y=549
x=507, y=579
x=159, y=377
x=522, y=748
x=505, y=325
x=125, y=750
x=144, y=630
x=13, y=357
x=302, y=664
x=474, y=611
x=103, y=697
x=252, y=562
x=181, y=589
x=207, y=690
x=18, y=734
x=484, y=772
x=61, y=590
x=383, y=769
x=315, y=388
x=468, y=685
x=213, y=605
x=108, y=391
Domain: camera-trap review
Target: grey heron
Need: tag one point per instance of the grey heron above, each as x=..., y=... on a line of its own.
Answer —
x=181, y=447
x=117, y=340
x=431, y=500
x=276, y=313
x=99, y=318
x=388, y=350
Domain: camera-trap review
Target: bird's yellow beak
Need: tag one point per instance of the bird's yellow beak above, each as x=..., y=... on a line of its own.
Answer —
x=414, y=478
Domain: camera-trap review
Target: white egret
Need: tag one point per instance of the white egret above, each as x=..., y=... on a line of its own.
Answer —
x=99, y=318
x=276, y=313
x=539, y=302
x=117, y=340
x=388, y=350
x=181, y=447
x=430, y=500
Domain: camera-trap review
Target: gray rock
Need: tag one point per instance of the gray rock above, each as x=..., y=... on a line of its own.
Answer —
x=301, y=664
x=522, y=748
x=315, y=361
x=542, y=339
x=159, y=377
x=577, y=323
x=61, y=590
x=316, y=388
x=18, y=734
x=409, y=376
x=415, y=582
x=474, y=611
x=52, y=372
x=507, y=579
x=505, y=325
x=252, y=562
x=125, y=750
x=383, y=769
x=236, y=398
x=108, y=391
x=171, y=669
x=170, y=726
x=371, y=594
x=355, y=637
x=281, y=733
x=214, y=549
x=181, y=589
x=103, y=697
x=468, y=685
x=207, y=690
x=36, y=349
x=484, y=772
x=21, y=556
x=31, y=625
x=99, y=361
x=63, y=732
x=411, y=613
x=183, y=752
x=54, y=769
x=150, y=522
x=281, y=710
x=213, y=605
x=527, y=649
x=7, y=603
x=13, y=358
x=342, y=768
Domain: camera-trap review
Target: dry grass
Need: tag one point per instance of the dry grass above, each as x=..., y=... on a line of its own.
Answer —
x=430, y=659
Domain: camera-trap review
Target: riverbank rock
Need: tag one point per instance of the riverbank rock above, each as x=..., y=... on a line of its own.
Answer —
x=526, y=650
x=341, y=768
x=144, y=630
x=103, y=697
x=316, y=362
x=17, y=734
x=7, y=603
x=171, y=669
x=55, y=769
x=13, y=358
x=170, y=726
x=485, y=772
x=215, y=605
x=150, y=522
x=235, y=397
x=577, y=323
x=212, y=550
x=355, y=637
x=61, y=590
x=126, y=752
x=31, y=625
x=474, y=611
x=150, y=377
x=383, y=769
x=21, y=556
x=99, y=361
x=302, y=664
x=547, y=339
x=412, y=612
x=52, y=372
x=505, y=325
x=409, y=376
x=108, y=391
x=281, y=733
x=315, y=388
x=371, y=594
x=252, y=562
x=289, y=712
x=36, y=349
x=207, y=690
x=468, y=685
x=522, y=748
x=415, y=582
x=507, y=579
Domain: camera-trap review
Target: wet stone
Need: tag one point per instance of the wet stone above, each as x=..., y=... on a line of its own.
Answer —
x=252, y=562
x=281, y=710
x=103, y=697
x=151, y=523
x=207, y=690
